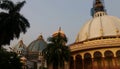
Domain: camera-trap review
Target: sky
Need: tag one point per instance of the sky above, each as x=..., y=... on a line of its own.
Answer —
x=46, y=16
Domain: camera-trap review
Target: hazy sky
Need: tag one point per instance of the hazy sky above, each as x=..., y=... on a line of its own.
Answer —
x=46, y=16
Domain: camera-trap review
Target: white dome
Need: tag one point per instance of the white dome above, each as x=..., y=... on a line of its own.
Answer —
x=98, y=27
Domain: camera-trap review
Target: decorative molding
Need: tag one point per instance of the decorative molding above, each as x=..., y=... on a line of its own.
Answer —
x=102, y=43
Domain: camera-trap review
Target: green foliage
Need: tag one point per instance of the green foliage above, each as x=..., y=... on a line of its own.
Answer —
x=9, y=60
x=57, y=52
x=12, y=23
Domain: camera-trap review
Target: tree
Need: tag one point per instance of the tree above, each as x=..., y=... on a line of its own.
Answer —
x=9, y=60
x=56, y=52
x=12, y=23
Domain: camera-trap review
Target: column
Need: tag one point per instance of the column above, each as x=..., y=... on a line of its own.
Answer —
x=103, y=61
x=74, y=59
x=92, y=63
x=115, y=63
x=66, y=65
x=83, y=62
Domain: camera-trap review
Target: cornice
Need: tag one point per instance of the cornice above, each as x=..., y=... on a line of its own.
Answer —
x=102, y=43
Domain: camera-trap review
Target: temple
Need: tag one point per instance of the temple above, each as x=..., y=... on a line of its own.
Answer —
x=97, y=45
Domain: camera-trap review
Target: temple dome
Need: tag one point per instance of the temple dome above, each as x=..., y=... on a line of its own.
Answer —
x=37, y=45
x=20, y=47
x=59, y=32
x=100, y=26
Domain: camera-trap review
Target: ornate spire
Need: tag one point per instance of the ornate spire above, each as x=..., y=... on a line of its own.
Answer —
x=98, y=6
x=59, y=29
x=40, y=36
x=21, y=42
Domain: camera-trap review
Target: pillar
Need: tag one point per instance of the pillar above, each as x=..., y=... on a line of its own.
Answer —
x=74, y=59
x=92, y=62
x=103, y=61
x=66, y=65
x=115, y=61
x=82, y=62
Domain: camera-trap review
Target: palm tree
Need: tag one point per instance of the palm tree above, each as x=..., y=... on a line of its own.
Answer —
x=12, y=23
x=9, y=60
x=56, y=52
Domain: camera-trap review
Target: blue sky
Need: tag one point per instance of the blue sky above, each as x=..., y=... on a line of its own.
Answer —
x=46, y=16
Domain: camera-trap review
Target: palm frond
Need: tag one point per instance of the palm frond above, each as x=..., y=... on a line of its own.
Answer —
x=19, y=5
x=7, y=5
x=12, y=23
x=24, y=20
x=3, y=16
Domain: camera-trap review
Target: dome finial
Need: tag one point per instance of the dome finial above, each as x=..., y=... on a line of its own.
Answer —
x=21, y=41
x=40, y=36
x=98, y=6
x=59, y=29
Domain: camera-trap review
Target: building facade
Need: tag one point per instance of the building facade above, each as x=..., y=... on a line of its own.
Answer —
x=97, y=45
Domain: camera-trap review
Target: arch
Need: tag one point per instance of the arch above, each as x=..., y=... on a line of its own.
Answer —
x=97, y=54
x=87, y=55
x=98, y=63
x=78, y=62
x=118, y=53
x=108, y=54
x=100, y=14
x=87, y=61
x=118, y=59
x=109, y=59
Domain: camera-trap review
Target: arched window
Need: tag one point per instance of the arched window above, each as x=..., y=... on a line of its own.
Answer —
x=87, y=61
x=118, y=59
x=79, y=62
x=118, y=53
x=98, y=63
x=109, y=59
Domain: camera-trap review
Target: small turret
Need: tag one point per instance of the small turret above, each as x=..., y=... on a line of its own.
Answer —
x=98, y=6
